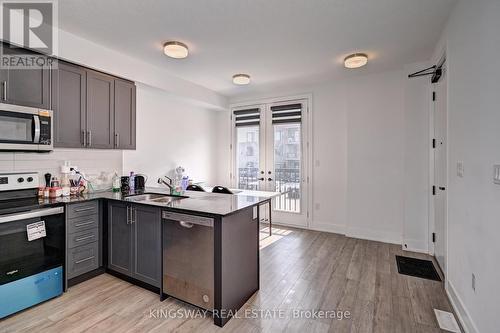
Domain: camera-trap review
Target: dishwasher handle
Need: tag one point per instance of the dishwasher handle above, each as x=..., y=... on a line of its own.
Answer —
x=185, y=224
x=187, y=220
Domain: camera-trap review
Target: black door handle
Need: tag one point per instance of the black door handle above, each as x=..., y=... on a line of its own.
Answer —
x=442, y=188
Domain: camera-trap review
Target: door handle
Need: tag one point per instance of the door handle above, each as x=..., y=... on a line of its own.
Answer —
x=442, y=188
x=36, y=132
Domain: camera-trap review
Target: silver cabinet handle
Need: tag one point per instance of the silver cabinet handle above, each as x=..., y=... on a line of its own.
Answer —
x=89, y=138
x=4, y=86
x=135, y=215
x=79, y=210
x=117, y=140
x=84, y=138
x=128, y=215
x=82, y=224
x=84, y=238
x=185, y=224
x=84, y=260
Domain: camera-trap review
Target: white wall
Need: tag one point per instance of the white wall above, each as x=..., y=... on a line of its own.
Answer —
x=171, y=132
x=370, y=156
x=472, y=43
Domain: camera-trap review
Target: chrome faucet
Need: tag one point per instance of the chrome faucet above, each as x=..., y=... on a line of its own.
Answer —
x=168, y=183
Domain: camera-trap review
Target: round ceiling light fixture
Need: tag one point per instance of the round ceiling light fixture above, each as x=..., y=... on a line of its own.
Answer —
x=355, y=60
x=241, y=79
x=176, y=50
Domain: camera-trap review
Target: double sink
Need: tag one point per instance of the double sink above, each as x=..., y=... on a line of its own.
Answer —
x=155, y=198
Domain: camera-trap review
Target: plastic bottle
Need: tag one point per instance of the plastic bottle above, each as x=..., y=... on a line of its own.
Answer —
x=131, y=181
x=116, y=183
x=184, y=183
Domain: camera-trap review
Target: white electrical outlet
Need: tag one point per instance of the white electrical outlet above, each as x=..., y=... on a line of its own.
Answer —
x=496, y=174
x=460, y=169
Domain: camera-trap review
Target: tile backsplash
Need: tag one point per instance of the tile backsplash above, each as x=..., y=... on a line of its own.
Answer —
x=88, y=161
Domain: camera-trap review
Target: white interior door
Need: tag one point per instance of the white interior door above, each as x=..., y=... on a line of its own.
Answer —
x=440, y=170
x=269, y=155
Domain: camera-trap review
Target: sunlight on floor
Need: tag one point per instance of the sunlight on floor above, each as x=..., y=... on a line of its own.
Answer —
x=277, y=234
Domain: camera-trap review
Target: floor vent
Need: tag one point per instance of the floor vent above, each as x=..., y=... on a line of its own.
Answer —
x=447, y=321
x=417, y=267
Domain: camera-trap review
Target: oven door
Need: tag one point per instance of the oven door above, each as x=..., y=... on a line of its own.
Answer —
x=19, y=128
x=20, y=257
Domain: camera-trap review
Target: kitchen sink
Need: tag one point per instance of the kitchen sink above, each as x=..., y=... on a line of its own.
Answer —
x=155, y=197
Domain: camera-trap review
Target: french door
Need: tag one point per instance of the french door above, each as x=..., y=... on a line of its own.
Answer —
x=270, y=154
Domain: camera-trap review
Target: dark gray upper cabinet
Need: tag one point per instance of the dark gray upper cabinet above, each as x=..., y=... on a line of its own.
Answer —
x=124, y=117
x=134, y=244
x=26, y=87
x=147, y=244
x=119, y=238
x=69, y=105
x=100, y=110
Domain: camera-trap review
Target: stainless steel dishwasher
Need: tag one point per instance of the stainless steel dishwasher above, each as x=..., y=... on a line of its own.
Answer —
x=188, y=258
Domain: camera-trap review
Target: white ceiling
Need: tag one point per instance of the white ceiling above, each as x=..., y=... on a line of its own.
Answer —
x=275, y=41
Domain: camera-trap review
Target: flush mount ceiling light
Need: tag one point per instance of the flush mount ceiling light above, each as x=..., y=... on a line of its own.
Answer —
x=176, y=50
x=241, y=79
x=355, y=60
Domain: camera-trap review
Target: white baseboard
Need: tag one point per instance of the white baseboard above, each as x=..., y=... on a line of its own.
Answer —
x=374, y=235
x=327, y=227
x=460, y=309
x=415, y=246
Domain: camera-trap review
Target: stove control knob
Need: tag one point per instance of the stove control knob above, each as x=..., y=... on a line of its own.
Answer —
x=20, y=179
x=29, y=179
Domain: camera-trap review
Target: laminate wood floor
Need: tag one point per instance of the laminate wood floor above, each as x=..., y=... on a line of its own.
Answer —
x=300, y=269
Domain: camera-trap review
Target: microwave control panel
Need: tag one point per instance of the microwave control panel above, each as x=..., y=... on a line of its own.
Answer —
x=45, y=130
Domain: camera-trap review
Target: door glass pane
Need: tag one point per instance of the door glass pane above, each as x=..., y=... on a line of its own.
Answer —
x=247, y=157
x=15, y=129
x=287, y=166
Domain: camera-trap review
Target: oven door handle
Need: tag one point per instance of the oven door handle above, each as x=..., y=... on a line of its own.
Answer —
x=36, y=129
x=31, y=214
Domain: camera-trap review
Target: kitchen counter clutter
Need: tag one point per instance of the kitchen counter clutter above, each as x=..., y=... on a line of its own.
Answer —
x=195, y=202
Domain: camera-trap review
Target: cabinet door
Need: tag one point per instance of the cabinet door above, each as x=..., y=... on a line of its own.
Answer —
x=147, y=244
x=124, y=114
x=68, y=102
x=100, y=110
x=26, y=87
x=119, y=238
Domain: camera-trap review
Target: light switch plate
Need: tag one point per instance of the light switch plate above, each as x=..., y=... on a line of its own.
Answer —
x=460, y=169
x=496, y=174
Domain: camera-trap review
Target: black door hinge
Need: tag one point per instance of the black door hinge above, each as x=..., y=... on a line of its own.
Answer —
x=434, y=237
x=433, y=95
x=433, y=190
x=433, y=143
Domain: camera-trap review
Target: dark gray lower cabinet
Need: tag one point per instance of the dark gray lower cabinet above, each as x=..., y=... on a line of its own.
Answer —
x=134, y=243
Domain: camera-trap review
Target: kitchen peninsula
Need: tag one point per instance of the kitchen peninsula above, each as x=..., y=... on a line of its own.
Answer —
x=202, y=248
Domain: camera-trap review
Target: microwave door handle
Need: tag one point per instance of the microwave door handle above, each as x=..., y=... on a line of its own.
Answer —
x=36, y=129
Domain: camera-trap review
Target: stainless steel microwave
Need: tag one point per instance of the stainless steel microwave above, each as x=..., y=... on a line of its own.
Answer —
x=25, y=129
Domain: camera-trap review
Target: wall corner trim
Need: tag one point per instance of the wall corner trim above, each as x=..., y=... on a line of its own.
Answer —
x=463, y=315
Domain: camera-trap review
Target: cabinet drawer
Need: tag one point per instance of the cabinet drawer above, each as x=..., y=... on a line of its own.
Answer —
x=82, y=223
x=83, y=209
x=83, y=237
x=83, y=259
